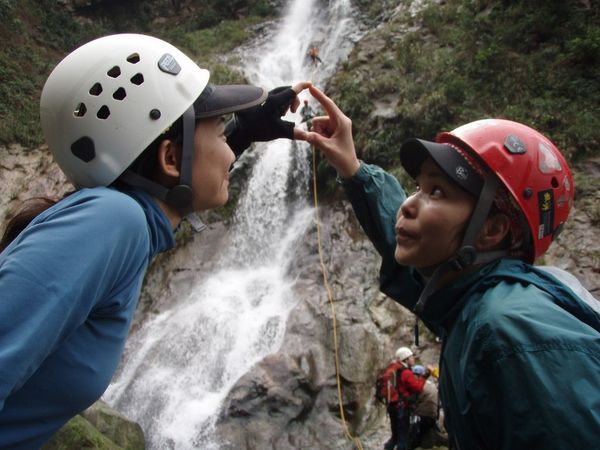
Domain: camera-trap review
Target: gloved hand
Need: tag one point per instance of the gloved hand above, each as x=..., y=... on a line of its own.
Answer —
x=262, y=122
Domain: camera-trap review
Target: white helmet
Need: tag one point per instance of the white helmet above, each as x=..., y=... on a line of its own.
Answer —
x=110, y=98
x=402, y=353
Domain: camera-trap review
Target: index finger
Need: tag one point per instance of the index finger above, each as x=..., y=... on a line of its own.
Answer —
x=299, y=87
x=328, y=105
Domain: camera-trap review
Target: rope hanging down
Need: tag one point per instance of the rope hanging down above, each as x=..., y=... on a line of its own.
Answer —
x=347, y=433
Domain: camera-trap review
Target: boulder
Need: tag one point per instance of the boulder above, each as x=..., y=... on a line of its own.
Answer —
x=98, y=428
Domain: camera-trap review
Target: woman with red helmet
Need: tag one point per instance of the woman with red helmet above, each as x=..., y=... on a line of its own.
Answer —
x=491, y=196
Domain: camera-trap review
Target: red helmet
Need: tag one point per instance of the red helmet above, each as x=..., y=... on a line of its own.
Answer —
x=530, y=167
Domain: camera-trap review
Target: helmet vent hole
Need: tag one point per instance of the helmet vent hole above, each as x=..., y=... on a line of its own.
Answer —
x=80, y=110
x=554, y=182
x=103, y=113
x=84, y=149
x=96, y=89
x=134, y=58
x=114, y=72
x=119, y=94
x=137, y=79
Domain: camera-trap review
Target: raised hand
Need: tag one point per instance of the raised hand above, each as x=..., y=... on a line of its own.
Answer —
x=332, y=134
x=264, y=122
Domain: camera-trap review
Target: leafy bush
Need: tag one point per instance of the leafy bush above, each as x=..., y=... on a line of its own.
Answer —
x=462, y=60
x=41, y=32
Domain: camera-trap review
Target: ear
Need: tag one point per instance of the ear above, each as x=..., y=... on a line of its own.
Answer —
x=495, y=229
x=169, y=159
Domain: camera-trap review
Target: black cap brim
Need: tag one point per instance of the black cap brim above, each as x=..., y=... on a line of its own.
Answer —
x=219, y=100
x=414, y=151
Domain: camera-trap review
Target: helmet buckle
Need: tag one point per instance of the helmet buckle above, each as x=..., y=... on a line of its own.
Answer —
x=465, y=257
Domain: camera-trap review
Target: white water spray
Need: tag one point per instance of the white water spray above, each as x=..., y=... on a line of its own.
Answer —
x=181, y=365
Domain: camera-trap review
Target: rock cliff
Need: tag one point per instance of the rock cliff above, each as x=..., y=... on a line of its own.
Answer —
x=290, y=399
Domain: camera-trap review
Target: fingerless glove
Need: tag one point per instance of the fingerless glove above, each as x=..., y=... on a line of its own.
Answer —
x=263, y=122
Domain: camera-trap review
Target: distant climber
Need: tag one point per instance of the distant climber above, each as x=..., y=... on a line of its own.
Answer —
x=307, y=113
x=397, y=386
x=424, y=431
x=314, y=56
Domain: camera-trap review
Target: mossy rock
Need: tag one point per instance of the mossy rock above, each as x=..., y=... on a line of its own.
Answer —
x=127, y=434
x=98, y=428
x=79, y=434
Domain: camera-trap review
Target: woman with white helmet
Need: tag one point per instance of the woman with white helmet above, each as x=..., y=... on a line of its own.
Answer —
x=492, y=195
x=135, y=125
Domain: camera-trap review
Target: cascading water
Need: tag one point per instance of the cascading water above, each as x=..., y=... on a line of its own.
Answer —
x=180, y=366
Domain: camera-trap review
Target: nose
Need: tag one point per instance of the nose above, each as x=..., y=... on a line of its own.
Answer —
x=408, y=209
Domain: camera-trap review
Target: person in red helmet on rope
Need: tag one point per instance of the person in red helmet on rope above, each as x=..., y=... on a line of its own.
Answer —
x=314, y=56
x=491, y=197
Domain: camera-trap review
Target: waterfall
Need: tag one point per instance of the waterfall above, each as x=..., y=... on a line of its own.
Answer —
x=180, y=365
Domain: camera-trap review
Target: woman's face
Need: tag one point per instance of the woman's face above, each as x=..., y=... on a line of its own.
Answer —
x=212, y=160
x=431, y=222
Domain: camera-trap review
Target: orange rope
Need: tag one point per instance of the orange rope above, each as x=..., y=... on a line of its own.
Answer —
x=347, y=433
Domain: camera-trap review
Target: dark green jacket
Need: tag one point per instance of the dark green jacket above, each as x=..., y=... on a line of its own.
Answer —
x=520, y=364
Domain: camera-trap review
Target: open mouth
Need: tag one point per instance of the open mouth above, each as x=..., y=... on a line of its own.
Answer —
x=404, y=236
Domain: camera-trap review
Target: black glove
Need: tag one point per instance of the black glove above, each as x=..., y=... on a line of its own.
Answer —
x=262, y=122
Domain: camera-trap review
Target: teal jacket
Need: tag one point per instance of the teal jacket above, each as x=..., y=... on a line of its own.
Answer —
x=520, y=360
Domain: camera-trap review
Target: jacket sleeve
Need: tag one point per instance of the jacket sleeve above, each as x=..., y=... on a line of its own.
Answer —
x=376, y=196
x=412, y=383
x=58, y=271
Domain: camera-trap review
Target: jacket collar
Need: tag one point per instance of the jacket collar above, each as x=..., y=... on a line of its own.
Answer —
x=162, y=237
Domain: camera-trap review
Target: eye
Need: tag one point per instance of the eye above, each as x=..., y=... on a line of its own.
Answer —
x=437, y=192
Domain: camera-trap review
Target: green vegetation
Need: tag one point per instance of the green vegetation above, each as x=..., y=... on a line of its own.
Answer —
x=537, y=62
x=79, y=433
x=41, y=32
x=27, y=61
x=373, y=10
x=209, y=46
x=588, y=192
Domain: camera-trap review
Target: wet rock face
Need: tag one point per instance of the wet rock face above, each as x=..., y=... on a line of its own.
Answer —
x=290, y=399
x=27, y=173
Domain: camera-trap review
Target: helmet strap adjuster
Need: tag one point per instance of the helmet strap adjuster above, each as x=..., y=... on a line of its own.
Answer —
x=465, y=257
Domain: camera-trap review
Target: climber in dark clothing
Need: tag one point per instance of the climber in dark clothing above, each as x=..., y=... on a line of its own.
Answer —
x=307, y=113
x=424, y=427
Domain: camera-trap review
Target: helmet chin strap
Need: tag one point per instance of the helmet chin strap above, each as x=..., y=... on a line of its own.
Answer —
x=181, y=196
x=467, y=255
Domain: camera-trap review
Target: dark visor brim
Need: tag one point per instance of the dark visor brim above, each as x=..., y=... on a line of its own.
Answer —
x=414, y=151
x=219, y=100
